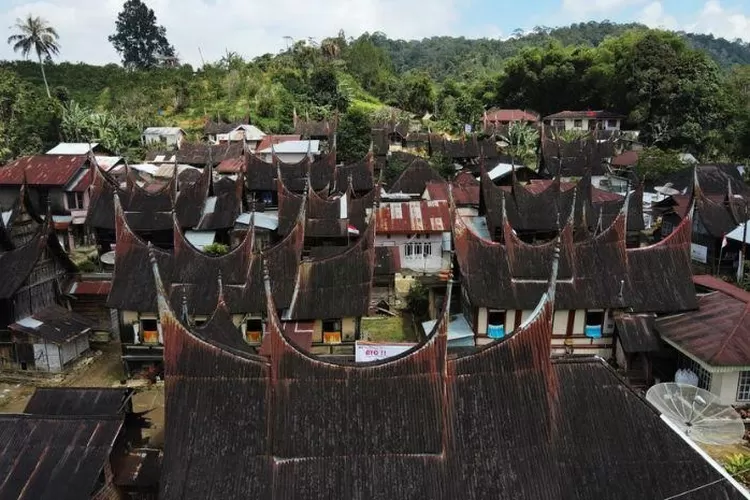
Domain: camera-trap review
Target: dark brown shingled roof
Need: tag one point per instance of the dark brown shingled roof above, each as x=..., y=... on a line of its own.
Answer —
x=473, y=434
x=224, y=206
x=414, y=179
x=311, y=129
x=338, y=286
x=575, y=158
x=54, y=458
x=78, y=401
x=259, y=175
x=199, y=154
x=58, y=325
x=132, y=280
x=637, y=332
x=361, y=174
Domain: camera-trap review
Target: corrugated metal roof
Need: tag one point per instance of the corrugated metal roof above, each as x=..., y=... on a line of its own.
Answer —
x=291, y=147
x=277, y=139
x=107, y=162
x=413, y=217
x=90, y=288
x=200, y=239
x=502, y=170
x=43, y=170
x=252, y=133
x=72, y=148
x=264, y=220
x=163, y=131
x=510, y=115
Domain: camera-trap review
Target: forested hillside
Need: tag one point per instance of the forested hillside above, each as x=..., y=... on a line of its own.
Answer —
x=679, y=97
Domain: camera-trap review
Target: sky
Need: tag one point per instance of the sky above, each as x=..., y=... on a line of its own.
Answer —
x=206, y=29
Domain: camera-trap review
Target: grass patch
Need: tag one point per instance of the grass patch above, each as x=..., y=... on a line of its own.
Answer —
x=387, y=329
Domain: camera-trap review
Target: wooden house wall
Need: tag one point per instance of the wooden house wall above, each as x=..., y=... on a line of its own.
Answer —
x=93, y=308
x=41, y=288
x=52, y=357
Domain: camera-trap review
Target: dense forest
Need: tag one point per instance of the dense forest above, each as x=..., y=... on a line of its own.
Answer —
x=683, y=91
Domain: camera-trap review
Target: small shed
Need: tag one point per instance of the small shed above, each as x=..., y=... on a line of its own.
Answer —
x=168, y=136
x=52, y=338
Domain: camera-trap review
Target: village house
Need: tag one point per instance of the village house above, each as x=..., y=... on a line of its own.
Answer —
x=464, y=191
x=37, y=330
x=58, y=181
x=497, y=121
x=217, y=132
x=414, y=179
x=505, y=404
x=712, y=341
x=290, y=151
x=198, y=154
x=83, y=439
x=599, y=274
x=170, y=137
x=585, y=120
x=323, y=130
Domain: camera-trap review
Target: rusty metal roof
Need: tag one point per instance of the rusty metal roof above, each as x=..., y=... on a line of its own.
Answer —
x=90, y=288
x=718, y=333
x=276, y=139
x=537, y=186
x=413, y=217
x=43, y=170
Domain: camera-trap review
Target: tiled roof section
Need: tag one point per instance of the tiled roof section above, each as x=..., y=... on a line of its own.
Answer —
x=132, y=280
x=195, y=275
x=413, y=217
x=604, y=273
x=199, y=154
x=78, y=401
x=361, y=175
x=599, y=115
x=473, y=420
x=510, y=115
x=338, y=286
x=276, y=139
x=43, y=170
x=53, y=324
x=414, y=179
x=637, y=332
x=717, y=332
x=222, y=209
x=54, y=458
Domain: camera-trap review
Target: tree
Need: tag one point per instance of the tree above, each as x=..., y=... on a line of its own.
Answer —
x=353, y=136
x=522, y=141
x=34, y=33
x=655, y=164
x=416, y=93
x=138, y=39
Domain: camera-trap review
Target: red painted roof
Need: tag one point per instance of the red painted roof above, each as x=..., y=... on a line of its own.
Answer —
x=413, y=217
x=537, y=186
x=601, y=115
x=718, y=332
x=510, y=115
x=43, y=170
x=90, y=288
x=626, y=159
x=463, y=194
x=231, y=165
x=276, y=139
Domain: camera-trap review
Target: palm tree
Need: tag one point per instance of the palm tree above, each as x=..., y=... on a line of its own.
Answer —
x=34, y=33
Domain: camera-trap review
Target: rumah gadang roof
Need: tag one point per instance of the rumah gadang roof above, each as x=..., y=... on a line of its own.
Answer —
x=717, y=333
x=198, y=154
x=326, y=217
x=53, y=324
x=222, y=208
x=44, y=170
x=360, y=175
x=465, y=190
x=492, y=424
x=597, y=271
x=78, y=401
x=637, y=332
x=54, y=457
x=575, y=158
x=414, y=179
x=311, y=129
x=413, y=217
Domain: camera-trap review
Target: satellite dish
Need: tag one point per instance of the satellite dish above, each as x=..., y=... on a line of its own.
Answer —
x=108, y=258
x=697, y=413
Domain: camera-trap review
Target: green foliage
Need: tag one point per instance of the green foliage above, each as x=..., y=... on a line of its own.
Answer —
x=444, y=165
x=415, y=93
x=138, y=39
x=418, y=300
x=216, y=249
x=35, y=34
x=87, y=266
x=370, y=65
x=353, y=136
x=655, y=164
x=521, y=143
x=393, y=169
x=738, y=466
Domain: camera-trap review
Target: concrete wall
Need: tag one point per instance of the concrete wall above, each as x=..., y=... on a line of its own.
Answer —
x=433, y=263
x=585, y=123
x=724, y=385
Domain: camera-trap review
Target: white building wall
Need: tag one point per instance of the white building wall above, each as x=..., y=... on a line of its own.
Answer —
x=724, y=385
x=433, y=263
x=570, y=124
x=47, y=357
x=68, y=352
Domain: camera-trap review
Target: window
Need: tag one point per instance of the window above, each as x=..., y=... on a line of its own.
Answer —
x=254, y=330
x=560, y=124
x=666, y=228
x=75, y=201
x=743, y=387
x=594, y=322
x=331, y=331
x=150, y=329
x=200, y=322
x=426, y=249
x=414, y=249
x=704, y=376
x=547, y=123
x=578, y=123
x=496, y=324
x=611, y=123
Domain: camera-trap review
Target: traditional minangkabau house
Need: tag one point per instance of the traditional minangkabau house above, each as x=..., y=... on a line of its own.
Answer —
x=19, y=222
x=58, y=181
x=37, y=330
x=396, y=132
x=599, y=276
x=360, y=175
x=192, y=277
x=323, y=130
x=588, y=154
x=221, y=208
x=496, y=121
x=472, y=433
x=415, y=178
x=149, y=213
x=464, y=188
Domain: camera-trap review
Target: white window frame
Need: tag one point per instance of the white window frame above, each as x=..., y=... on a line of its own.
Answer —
x=743, y=386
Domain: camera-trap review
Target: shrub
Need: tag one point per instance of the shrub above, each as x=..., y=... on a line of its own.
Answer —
x=216, y=249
